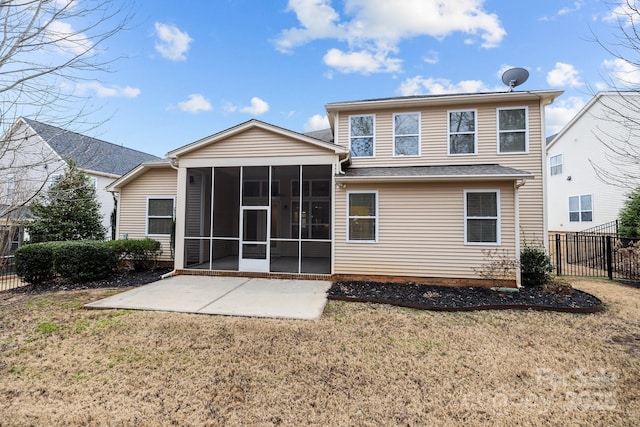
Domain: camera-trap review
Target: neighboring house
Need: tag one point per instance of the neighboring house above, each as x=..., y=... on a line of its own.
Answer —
x=418, y=186
x=34, y=154
x=577, y=199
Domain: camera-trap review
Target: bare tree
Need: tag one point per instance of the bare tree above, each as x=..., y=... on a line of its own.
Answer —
x=47, y=47
x=618, y=124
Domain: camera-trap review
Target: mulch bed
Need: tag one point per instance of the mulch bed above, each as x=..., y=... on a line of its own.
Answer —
x=444, y=298
x=125, y=280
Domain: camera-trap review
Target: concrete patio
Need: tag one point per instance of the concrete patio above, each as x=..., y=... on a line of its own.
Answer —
x=232, y=296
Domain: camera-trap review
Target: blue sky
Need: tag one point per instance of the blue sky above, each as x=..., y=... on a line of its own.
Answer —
x=191, y=69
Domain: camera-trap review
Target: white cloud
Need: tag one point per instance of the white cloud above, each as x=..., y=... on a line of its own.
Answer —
x=564, y=75
x=173, y=44
x=108, y=92
x=622, y=14
x=561, y=112
x=433, y=57
x=373, y=29
x=362, y=62
x=195, y=104
x=316, y=122
x=577, y=5
x=621, y=72
x=257, y=107
x=67, y=39
x=434, y=86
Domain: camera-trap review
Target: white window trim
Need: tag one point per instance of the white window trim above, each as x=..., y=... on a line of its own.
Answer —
x=526, y=131
x=580, y=210
x=419, y=134
x=146, y=217
x=561, y=164
x=498, y=218
x=373, y=136
x=475, y=132
x=376, y=217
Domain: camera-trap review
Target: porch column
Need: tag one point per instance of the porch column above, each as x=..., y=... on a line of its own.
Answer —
x=180, y=220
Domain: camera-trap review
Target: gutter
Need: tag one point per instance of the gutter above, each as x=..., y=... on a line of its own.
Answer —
x=342, y=162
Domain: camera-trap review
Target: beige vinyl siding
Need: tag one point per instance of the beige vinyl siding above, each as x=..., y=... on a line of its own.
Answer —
x=160, y=182
x=256, y=142
x=434, y=143
x=421, y=231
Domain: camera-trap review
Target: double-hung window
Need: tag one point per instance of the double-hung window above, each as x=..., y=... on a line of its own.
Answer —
x=555, y=163
x=406, y=134
x=363, y=216
x=512, y=130
x=159, y=216
x=462, y=132
x=482, y=217
x=361, y=135
x=581, y=208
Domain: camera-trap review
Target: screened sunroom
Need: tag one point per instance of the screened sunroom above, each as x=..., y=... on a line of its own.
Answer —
x=274, y=219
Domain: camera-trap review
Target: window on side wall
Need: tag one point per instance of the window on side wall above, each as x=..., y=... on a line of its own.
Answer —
x=482, y=217
x=361, y=136
x=362, y=217
x=512, y=130
x=555, y=163
x=159, y=216
x=406, y=134
x=581, y=208
x=462, y=132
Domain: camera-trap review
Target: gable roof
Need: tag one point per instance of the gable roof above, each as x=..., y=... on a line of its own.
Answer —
x=596, y=98
x=89, y=153
x=251, y=124
x=322, y=134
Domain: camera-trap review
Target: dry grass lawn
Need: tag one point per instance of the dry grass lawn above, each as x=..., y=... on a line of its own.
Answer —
x=361, y=364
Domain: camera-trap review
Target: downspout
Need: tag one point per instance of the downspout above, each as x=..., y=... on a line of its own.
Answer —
x=343, y=161
x=173, y=163
x=516, y=203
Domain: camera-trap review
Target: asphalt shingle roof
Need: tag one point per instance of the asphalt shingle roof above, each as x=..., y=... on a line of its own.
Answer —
x=325, y=135
x=489, y=171
x=90, y=153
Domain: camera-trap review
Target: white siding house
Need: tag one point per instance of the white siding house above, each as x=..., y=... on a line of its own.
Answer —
x=577, y=199
x=35, y=154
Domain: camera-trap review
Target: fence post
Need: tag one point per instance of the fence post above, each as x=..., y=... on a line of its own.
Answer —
x=558, y=256
x=609, y=258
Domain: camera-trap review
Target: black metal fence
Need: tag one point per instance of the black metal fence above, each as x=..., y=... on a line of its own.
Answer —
x=595, y=255
x=8, y=278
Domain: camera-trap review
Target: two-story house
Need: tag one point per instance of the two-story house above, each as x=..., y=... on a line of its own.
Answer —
x=33, y=155
x=414, y=187
x=578, y=198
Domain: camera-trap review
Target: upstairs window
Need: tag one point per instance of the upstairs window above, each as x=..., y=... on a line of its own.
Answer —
x=159, y=216
x=555, y=163
x=406, y=134
x=462, y=132
x=512, y=130
x=580, y=208
x=361, y=136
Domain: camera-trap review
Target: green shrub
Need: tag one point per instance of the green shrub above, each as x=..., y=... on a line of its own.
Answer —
x=84, y=261
x=139, y=254
x=535, y=266
x=34, y=262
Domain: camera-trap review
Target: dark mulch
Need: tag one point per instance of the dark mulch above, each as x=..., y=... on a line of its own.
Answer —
x=124, y=280
x=444, y=298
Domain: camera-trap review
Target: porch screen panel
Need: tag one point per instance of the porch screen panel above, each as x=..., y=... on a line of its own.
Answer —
x=316, y=202
x=198, y=203
x=226, y=202
x=197, y=253
x=255, y=186
x=287, y=180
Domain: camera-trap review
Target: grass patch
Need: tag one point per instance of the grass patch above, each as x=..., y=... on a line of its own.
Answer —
x=360, y=364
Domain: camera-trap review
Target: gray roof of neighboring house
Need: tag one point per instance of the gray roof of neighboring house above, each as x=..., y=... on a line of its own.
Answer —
x=460, y=171
x=90, y=153
x=325, y=135
x=551, y=138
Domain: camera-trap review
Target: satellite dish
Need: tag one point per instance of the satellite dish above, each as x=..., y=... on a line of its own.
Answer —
x=514, y=77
